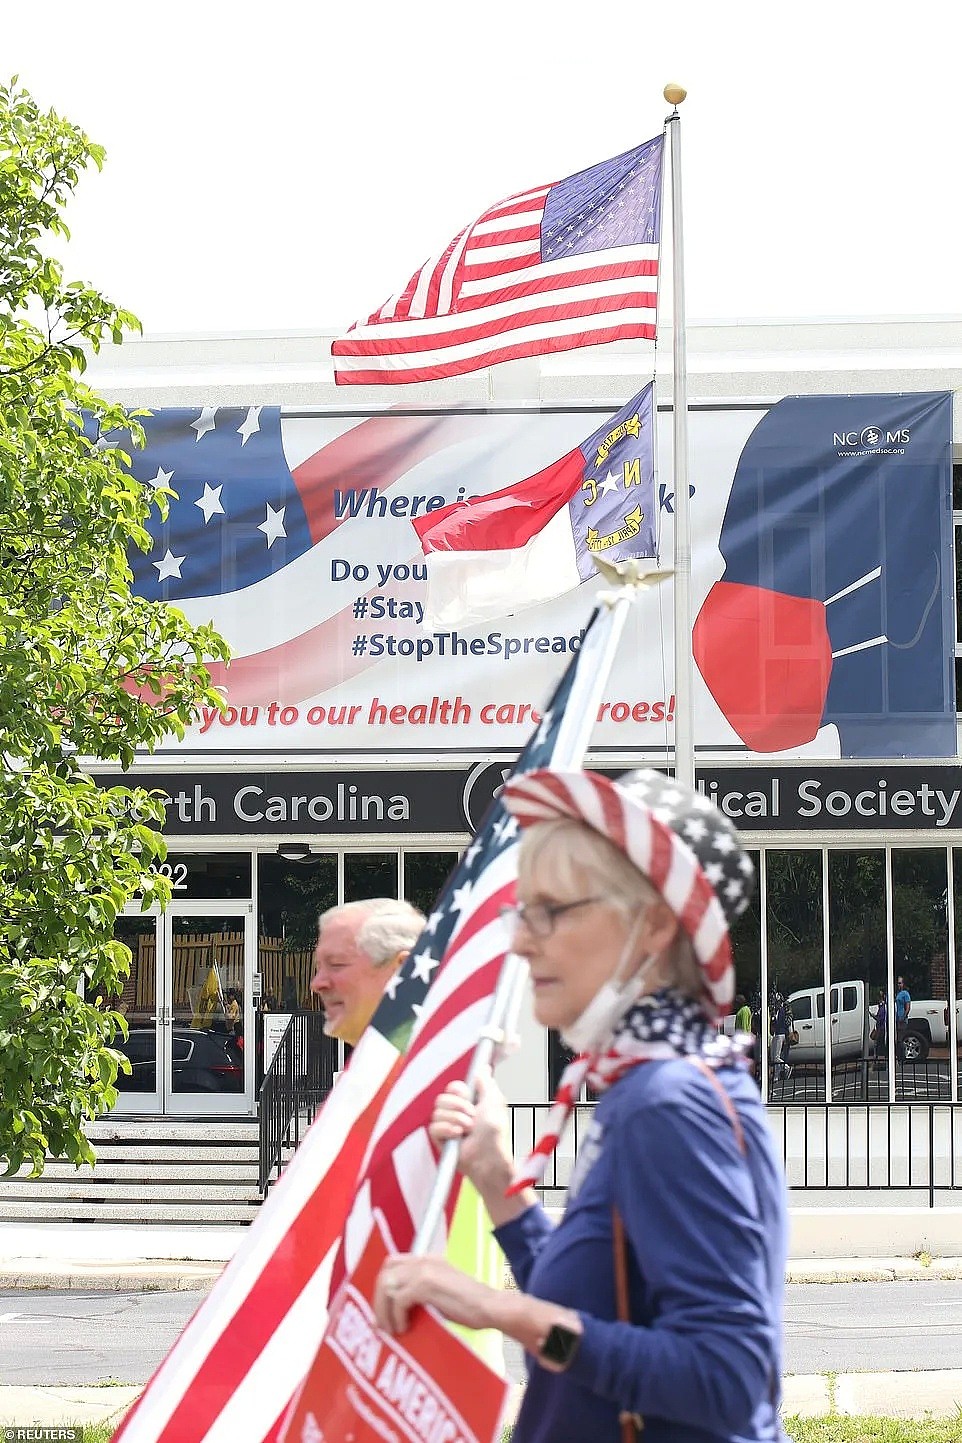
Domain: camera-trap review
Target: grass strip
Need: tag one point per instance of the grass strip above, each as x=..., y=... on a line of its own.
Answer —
x=867, y=1429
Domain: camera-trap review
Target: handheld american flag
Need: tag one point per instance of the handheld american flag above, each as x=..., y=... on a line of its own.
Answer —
x=231, y=1375
x=559, y=266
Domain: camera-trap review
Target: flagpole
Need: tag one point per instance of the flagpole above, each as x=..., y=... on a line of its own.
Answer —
x=594, y=664
x=684, y=719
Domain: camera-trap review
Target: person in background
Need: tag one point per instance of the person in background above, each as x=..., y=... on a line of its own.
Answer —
x=903, y=1008
x=360, y=946
x=781, y=1027
x=881, y=1030
x=232, y=1009
x=655, y=1305
x=743, y=1023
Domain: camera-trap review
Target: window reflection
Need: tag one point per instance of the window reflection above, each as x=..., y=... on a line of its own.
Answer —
x=746, y=939
x=424, y=876
x=920, y=931
x=291, y=897
x=138, y=1003
x=957, y=992
x=859, y=970
x=796, y=1004
x=207, y=990
x=370, y=874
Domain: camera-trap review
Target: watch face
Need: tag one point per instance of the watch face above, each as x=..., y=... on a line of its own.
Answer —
x=561, y=1345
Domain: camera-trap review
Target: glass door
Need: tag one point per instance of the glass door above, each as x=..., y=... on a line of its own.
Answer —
x=142, y=1089
x=207, y=1017
x=189, y=1010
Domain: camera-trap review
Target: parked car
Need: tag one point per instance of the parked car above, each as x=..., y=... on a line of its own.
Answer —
x=203, y=1061
x=852, y=1021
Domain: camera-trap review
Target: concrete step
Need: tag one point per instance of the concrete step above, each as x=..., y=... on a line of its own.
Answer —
x=212, y=1130
x=195, y=1213
x=150, y=1154
x=133, y=1170
x=40, y=1191
x=149, y=1170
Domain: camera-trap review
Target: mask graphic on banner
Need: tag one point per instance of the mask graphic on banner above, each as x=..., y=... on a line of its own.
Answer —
x=834, y=608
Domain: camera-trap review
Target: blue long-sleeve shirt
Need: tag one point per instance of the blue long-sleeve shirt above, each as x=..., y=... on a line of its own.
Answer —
x=707, y=1241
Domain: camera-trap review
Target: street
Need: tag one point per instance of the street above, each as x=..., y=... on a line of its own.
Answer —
x=83, y=1338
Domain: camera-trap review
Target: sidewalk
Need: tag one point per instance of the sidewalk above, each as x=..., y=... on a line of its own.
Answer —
x=128, y=1258
x=894, y=1395
x=124, y=1257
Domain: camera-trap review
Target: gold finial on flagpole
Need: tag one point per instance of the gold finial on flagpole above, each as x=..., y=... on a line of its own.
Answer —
x=629, y=577
x=674, y=94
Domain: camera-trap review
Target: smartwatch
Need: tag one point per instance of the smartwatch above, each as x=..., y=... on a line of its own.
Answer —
x=560, y=1346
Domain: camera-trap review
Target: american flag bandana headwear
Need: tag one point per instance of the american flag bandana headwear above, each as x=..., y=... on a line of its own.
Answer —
x=553, y=268
x=678, y=839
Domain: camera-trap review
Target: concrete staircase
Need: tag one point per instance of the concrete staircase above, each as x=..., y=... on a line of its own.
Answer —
x=149, y=1170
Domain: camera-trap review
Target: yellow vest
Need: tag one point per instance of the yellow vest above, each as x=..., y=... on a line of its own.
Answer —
x=472, y=1248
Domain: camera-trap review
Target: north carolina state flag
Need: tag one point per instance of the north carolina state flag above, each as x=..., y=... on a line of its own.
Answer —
x=537, y=538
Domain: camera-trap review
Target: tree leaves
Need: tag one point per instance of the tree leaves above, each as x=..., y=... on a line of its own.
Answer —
x=87, y=669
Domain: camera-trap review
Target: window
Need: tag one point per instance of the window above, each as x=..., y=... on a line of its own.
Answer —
x=957, y=538
x=795, y=969
x=859, y=967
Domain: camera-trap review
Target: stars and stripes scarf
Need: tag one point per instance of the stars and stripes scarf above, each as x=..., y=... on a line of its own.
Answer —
x=663, y=1025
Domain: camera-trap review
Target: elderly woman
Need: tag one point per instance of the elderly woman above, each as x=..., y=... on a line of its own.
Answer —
x=656, y=1301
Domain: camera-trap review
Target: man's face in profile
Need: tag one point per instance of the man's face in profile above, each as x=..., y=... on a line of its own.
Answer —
x=346, y=980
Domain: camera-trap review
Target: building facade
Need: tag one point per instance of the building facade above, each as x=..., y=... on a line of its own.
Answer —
x=272, y=818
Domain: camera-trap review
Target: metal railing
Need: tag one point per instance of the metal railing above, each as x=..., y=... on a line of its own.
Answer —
x=863, y=1080
x=300, y=1076
x=910, y=1147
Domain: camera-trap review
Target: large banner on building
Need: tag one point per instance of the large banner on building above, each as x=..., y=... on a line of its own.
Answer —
x=823, y=590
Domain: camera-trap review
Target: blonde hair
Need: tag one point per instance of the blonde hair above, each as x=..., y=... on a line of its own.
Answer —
x=576, y=857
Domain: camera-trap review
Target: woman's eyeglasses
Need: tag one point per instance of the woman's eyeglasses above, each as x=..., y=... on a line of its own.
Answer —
x=540, y=918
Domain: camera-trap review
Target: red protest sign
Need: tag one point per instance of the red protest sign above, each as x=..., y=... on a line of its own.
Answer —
x=369, y=1387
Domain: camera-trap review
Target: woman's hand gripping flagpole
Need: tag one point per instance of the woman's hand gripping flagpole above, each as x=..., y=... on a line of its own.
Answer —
x=595, y=660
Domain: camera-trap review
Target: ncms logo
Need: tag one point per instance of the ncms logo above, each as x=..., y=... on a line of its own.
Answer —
x=870, y=438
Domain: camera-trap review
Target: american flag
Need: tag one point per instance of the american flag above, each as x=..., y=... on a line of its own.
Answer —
x=559, y=266
x=235, y=1369
x=255, y=524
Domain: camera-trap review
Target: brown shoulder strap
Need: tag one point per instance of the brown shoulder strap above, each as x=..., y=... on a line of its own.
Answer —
x=631, y=1423
x=621, y=1267
x=725, y=1100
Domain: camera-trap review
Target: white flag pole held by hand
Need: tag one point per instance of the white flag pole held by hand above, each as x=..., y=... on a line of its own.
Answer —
x=629, y=578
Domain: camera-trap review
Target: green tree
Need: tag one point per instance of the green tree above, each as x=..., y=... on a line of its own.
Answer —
x=87, y=669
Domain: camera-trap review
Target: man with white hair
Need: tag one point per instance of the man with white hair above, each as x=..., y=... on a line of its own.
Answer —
x=360, y=946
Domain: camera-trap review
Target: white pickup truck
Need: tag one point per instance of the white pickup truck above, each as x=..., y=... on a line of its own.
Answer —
x=852, y=1022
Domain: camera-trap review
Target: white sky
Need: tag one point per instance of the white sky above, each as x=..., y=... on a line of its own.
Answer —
x=288, y=165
